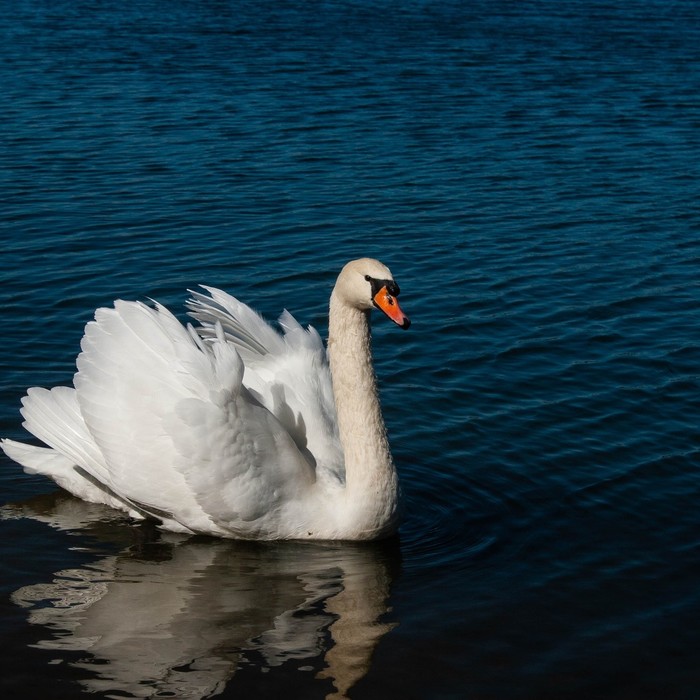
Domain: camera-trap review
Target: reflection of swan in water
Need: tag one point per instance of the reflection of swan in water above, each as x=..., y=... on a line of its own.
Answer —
x=176, y=617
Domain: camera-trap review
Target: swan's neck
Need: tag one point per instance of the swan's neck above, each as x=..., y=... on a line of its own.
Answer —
x=370, y=476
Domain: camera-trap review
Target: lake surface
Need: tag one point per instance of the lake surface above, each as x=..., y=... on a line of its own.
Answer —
x=530, y=171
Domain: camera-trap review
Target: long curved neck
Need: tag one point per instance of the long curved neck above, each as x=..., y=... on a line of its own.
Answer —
x=369, y=469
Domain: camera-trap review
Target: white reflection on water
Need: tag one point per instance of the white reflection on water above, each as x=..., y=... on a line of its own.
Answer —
x=177, y=617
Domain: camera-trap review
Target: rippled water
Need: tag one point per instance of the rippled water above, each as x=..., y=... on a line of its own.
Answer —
x=530, y=173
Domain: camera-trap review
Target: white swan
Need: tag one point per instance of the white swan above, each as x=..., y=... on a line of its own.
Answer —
x=232, y=429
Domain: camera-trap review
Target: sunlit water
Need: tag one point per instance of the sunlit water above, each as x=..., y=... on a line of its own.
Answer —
x=530, y=173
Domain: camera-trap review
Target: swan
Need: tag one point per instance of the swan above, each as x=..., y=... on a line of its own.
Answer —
x=230, y=429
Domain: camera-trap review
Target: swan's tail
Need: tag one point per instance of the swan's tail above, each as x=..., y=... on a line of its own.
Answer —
x=72, y=459
x=37, y=460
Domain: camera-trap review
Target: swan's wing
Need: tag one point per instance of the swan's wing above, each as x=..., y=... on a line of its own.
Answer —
x=174, y=431
x=288, y=372
x=177, y=427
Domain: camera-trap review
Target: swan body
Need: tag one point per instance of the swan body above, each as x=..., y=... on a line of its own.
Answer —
x=231, y=428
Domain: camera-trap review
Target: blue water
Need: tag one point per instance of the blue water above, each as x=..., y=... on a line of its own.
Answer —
x=531, y=173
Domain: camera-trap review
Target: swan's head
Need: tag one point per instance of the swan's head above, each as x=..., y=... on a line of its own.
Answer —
x=367, y=284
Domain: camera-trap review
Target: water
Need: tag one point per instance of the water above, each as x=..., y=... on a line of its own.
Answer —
x=530, y=173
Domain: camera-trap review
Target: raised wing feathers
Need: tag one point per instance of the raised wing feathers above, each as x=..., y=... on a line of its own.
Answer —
x=176, y=427
x=288, y=373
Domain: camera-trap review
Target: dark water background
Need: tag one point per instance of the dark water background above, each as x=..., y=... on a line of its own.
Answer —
x=530, y=171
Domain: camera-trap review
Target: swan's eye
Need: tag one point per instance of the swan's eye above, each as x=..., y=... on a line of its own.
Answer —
x=368, y=278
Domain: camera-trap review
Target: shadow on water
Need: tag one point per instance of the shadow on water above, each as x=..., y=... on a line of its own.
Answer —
x=169, y=616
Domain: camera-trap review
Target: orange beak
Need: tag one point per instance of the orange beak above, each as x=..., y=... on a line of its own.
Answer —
x=390, y=306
